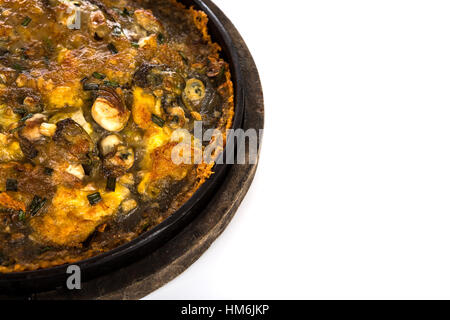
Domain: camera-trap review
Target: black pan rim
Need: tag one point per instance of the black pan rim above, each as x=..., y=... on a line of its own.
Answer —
x=145, y=239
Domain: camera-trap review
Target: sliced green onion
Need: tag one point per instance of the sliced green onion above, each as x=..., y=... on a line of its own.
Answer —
x=158, y=121
x=17, y=128
x=87, y=168
x=45, y=249
x=183, y=56
x=135, y=45
x=48, y=44
x=94, y=198
x=20, y=111
x=113, y=48
x=22, y=215
x=145, y=226
x=160, y=38
x=18, y=67
x=26, y=21
x=36, y=204
x=221, y=73
x=98, y=75
x=125, y=12
x=124, y=156
x=28, y=116
x=111, y=184
x=112, y=84
x=11, y=185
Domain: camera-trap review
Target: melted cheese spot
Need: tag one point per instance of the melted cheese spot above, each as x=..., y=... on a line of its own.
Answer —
x=64, y=96
x=71, y=218
x=7, y=117
x=144, y=105
x=9, y=149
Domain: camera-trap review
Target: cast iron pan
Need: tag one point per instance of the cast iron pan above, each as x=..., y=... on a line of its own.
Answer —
x=47, y=279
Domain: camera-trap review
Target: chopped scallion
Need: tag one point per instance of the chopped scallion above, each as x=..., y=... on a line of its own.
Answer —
x=183, y=56
x=45, y=249
x=26, y=21
x=158, y=121
x=20, y=111
x=48, y=44
x=87, y=168
x=98, y=75
x=94, y=198
x=36, y=204
x=112, y=84
x=22, y=215
x=112, y=48
x=28, y=116
x=160, y=38
x=18, y=128
x=111, y=184
x=11, y=185
x=124, y=156
x=18, y=67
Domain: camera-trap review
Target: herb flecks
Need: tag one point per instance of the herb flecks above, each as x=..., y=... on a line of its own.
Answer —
x=48, y=171
x=36, y=204
x=26, y=21
x=98, y=75
x=111, y=184
x=16, y=129
x=112, y=48
x=18, y=67
x=126, y=12
x=94, y=198
x=158, y=121
x=25, y=118
x=11, y=185
x=112, y=84
x=22, y=216
x=160, y=38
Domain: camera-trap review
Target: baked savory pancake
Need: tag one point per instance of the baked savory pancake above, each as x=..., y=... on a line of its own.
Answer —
x=91, y=94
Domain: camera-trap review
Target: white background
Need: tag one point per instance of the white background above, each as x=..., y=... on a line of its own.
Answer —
x=352, y=196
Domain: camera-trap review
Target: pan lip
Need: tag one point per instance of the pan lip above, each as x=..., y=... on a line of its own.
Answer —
x=146, y=238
